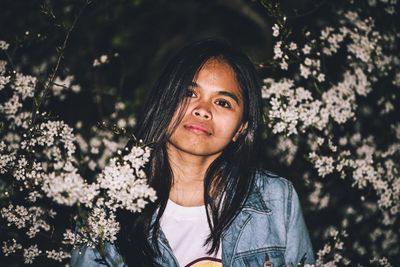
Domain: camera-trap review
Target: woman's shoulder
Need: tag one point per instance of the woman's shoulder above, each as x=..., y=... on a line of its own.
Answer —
x=269, y=182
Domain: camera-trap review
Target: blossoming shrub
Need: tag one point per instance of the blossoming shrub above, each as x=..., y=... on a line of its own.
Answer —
x=334, y=97
x=41, y=185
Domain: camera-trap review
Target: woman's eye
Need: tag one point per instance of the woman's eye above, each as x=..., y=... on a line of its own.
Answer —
x=190, y=93
x=223, y=103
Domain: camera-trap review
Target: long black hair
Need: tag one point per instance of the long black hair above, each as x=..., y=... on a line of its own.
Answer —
x=228, y=179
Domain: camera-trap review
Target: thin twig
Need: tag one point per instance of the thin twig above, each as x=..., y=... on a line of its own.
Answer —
x=309, y=12
x=50, y=82
x=10, y=60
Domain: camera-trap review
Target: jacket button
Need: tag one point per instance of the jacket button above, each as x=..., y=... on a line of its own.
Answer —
x=268, y=264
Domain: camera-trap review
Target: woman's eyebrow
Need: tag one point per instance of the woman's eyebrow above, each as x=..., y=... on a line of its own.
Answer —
x=231, y=95
x=193, y=84
x=224, y=93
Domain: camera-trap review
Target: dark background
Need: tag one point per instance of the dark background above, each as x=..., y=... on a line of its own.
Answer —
x=145, y=34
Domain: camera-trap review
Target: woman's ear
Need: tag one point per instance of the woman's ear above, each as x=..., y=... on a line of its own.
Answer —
x=239, y=132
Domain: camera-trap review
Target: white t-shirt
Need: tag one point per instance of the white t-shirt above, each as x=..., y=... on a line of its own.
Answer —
x=186, y=230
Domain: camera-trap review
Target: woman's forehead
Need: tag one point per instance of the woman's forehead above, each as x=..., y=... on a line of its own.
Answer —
x=219, y=74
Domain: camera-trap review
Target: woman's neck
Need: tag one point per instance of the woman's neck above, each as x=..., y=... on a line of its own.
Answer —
x=188, y=181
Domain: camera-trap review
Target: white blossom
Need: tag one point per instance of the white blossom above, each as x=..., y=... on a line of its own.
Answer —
x=292, y=46
x=71, y=238
x=324, y=164
x=319, y=199
x=103, y=59
x=69, y=188
x=121, y=123
x=32, y=218
x=10, y=247
x=286, y=150
x=304, y=71
x=284, y=65
x=396, y=80
x=321, y=77
x=275, y=30
x=3, y=65
x=12, y=106
x=120, y=106
x=329, y=255
x=277, y=50
x=22, y=119
x=52, y=132
x=31, y=253
x=24, y=85
x=131, y=121
x=4, y=80
x=57, y=255
x=4, y=45
x=306, y=49
x=6, y=158
x=102, y=226
x=381, y=261
x=33, y=196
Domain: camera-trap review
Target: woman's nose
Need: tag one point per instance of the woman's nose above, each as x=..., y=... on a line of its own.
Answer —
x=202, y=111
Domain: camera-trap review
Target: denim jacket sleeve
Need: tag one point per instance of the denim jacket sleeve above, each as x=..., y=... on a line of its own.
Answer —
x=90, y=257
x=298, y=244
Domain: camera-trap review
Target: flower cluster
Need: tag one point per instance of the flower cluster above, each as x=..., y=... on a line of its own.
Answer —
x=31, y=218
x=297, y=109
x=10, y=247
x=69, y=188
x=31, y=253
x=124, y=186
x=124, y=181
x=293, y=110
x=367, y=165
x=334, y=81
x=381, y=261
x=106, y=139
x=330, y=254
x=102, y=227
x=22, y=88
x=40, y=160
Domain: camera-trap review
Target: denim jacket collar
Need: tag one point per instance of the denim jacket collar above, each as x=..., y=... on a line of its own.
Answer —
x=255, y=203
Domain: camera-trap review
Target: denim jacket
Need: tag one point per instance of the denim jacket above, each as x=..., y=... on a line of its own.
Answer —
x=268, y=231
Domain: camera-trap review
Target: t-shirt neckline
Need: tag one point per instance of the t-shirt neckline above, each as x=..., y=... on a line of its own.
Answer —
x=184, y=213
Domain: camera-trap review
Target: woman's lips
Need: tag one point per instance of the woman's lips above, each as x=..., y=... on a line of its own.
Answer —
x=198, y=129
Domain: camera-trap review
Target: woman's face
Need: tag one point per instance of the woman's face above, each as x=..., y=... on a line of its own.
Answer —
x=213, y=117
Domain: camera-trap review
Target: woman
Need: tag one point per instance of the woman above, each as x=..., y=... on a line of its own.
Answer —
x=213, y=208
